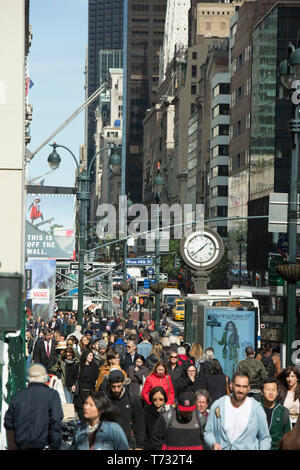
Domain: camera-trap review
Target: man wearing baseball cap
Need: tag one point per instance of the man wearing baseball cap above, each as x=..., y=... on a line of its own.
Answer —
x=179, y=428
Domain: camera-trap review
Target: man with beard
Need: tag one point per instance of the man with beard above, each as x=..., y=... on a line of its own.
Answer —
x=131, y=413
x=180, y=428
x=237, y=422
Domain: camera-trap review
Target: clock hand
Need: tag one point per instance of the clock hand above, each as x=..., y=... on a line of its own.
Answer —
x=193, y=254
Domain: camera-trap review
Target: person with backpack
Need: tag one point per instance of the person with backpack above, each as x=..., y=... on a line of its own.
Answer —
x=179, y=428
x=131, y=413
x=183, y=359
x=119, y=345
x=277, y=415
x=271, y=361
x=255, y=370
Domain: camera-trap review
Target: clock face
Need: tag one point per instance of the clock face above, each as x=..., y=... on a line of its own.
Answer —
x=201, y=249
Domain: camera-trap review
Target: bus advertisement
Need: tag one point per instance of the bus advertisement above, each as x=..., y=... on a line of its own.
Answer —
x=229, y=331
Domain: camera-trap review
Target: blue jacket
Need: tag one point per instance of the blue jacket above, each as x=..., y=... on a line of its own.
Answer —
x=109, y=436
x=256, y=435
x=144, y=348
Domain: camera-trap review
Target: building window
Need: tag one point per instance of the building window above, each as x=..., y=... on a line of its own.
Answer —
x=194, y=55
x=193, y=89
x=194, y=70
x=221, y=89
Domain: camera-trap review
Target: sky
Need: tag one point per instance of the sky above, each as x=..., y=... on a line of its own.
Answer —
x=56, y=65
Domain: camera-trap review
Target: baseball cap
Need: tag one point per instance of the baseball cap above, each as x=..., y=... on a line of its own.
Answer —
x=186, y=402
x=116, y=376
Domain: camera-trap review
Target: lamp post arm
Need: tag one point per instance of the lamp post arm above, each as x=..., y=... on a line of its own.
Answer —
x=94, y=157
x=66, y=148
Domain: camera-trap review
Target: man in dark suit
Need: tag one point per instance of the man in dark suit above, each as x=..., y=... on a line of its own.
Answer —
x=44, y=351
x=130, y=355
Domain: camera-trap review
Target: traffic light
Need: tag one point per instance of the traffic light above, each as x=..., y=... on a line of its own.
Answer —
x=180, y=274
x=177, y=262
x=11, y=288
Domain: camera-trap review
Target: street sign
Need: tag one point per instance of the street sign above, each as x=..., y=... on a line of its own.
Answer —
x=87, y=266
x=139, y=261
x=150, y=270
x=278, y=213
x=146, y=283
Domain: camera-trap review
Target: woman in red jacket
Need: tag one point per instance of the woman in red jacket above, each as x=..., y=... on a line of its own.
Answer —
x=159, y=377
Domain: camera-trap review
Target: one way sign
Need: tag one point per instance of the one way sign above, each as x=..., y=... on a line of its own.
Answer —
x=87, y=266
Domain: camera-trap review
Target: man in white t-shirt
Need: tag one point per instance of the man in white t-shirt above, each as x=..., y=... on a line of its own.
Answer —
x=237, y=422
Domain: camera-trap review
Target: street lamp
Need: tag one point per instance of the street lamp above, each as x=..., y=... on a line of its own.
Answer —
x=83, y=195
x=289, y=72
x=240, y=240
x=159, y=184
x=125, y=288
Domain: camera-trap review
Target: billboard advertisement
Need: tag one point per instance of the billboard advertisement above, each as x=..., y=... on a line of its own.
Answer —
x=229, y=331
x=50, y=222
x=41, y=295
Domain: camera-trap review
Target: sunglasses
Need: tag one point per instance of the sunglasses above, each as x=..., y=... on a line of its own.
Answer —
x=173, y=357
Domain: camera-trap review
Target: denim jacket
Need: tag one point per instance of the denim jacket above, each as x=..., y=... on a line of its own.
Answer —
x=109, y=436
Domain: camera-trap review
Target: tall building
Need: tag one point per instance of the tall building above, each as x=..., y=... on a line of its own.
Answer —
x=248, y=132
x=105, y=33
x=146, y=23
x=176, y=32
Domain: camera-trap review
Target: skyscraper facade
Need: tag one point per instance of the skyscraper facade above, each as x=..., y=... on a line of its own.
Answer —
x=146, y=24
x=105, y=32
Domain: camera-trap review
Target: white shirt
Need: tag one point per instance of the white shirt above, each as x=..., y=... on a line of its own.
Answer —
x=236, y=419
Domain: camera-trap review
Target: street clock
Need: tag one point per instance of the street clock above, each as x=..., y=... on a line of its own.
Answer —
x=202, y=249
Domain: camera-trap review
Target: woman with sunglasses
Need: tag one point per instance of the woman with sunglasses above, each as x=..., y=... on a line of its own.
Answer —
x=158, y=399
x=174, y=370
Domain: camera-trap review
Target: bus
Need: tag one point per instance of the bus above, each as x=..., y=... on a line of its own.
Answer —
x=226, y=320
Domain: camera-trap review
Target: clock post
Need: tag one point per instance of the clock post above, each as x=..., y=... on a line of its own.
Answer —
x=201, y=251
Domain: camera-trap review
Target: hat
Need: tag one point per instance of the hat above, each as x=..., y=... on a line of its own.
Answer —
x=61, y=345
x=37, y=373
x=102, y=344
x=89, y=332
x=116, y=376
x=186, y=402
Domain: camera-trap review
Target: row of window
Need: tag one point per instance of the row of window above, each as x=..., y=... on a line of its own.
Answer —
x=219, y=170
x=239, y=160
x=240, y=126
x=220, y=129
x=240, y=92
x=238, y=62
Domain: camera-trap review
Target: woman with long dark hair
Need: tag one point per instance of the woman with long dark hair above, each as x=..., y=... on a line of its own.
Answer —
x=231, y=345
x=289, y=391
x=100, y=431
x=137, y=374
x=215, y=381
x=88, y=373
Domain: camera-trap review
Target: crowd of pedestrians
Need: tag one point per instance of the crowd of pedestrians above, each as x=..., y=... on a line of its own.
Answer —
x=133, y=388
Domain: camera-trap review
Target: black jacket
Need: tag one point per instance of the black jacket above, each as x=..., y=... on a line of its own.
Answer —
x=128, y=361
x=151, y=416
x=215, y=384
x=88, y=375
x=40, y=356
x=175, y=375
x=35, y=415
x=130, y=417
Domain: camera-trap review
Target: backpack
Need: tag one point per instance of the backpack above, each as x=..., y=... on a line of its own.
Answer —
x=168, y=415
x=269, y=365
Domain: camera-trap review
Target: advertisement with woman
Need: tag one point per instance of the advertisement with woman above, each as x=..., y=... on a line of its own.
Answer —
x=229, y=331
